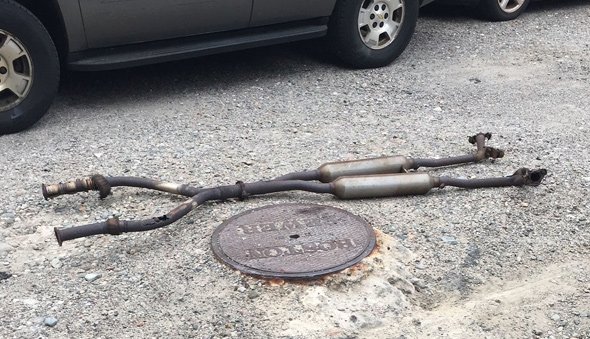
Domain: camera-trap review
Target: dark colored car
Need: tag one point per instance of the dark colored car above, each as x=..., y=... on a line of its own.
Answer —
x=39, y=38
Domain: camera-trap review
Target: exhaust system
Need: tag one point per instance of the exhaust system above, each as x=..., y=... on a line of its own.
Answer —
x=360, y=179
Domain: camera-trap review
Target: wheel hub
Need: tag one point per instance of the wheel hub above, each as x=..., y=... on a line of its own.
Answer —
x=379, y=22
x=3, y=70
x=16, y=71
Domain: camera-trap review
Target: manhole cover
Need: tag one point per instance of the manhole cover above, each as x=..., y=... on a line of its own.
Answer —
x=294, y=241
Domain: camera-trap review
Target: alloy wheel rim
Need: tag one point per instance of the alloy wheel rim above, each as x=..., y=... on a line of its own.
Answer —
x=379, y=22
x=510, y=6
x=16, y=71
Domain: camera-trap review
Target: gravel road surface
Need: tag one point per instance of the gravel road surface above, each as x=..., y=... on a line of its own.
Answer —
x=493, y=263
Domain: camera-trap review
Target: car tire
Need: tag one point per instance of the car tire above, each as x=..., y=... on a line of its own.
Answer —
x=29, y=68
x=502, y=10
x=371, y=33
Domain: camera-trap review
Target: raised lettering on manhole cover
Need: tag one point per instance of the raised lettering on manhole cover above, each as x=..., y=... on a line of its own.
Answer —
x=296, y=241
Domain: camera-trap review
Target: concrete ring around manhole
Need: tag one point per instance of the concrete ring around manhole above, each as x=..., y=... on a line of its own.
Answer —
x=293, y=241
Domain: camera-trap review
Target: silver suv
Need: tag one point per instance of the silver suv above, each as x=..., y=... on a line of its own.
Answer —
x=37, y=38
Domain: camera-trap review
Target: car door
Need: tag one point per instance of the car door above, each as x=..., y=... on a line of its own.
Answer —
x=119, y=22
x=266, y=12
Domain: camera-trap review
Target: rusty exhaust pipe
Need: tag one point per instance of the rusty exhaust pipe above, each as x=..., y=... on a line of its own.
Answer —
x=361, y=187
x=329, y=172
x=360, y=179
x=394, y=185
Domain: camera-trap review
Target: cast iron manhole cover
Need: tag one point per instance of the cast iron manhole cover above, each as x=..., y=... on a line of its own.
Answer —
x=296, y=241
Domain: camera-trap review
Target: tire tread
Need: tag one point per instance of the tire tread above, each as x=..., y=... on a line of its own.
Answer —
x=52, y=84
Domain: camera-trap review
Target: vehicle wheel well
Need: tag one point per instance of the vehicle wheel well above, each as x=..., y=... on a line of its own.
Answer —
x=49, y=14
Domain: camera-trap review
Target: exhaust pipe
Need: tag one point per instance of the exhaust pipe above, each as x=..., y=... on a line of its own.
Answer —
x=329, y=172
x=360, y=179
x=395, y=185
